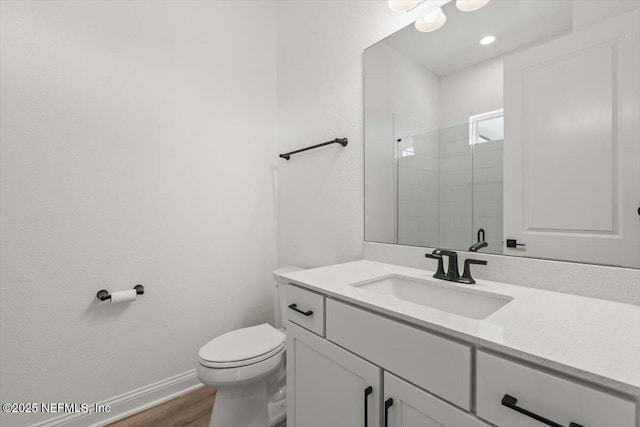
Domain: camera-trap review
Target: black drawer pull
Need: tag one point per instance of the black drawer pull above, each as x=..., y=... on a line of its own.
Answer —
x=387, y=404
x=367, y=392
x=294, y=307
x=511, y=403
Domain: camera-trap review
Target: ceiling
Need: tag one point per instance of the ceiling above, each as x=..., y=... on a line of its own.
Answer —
x=455, y=46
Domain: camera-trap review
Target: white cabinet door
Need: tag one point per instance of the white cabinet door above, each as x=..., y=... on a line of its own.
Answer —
x=572, y=146
x=408, y=406
x=328, y=386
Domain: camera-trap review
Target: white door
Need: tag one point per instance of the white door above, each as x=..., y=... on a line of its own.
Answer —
x=406, y=405
x=572, y=146
x=328, y=386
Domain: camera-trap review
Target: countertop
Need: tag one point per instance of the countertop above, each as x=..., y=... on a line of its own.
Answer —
x=591, y=339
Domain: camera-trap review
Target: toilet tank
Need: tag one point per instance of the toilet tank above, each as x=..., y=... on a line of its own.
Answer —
x=281, y=300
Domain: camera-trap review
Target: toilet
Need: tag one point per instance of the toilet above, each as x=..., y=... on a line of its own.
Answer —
x=247, y=367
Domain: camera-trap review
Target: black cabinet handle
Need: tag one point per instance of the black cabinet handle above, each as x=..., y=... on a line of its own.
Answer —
x=387, y=404
x=294, y=307
x=511, y=403
x=367, y=392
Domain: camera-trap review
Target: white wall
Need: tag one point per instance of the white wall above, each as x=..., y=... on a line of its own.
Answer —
x=320, y=97
x=137, y=142
x=474, y=90
x=588, y=12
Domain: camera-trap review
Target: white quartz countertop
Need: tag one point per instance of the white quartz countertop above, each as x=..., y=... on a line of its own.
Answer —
x=591, y=339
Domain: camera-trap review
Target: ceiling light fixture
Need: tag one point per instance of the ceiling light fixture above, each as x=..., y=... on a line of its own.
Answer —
x=487, y=40
x=468, y=5
x=431, y=21
x=403, y=5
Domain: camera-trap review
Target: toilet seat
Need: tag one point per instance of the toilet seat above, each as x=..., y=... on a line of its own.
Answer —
x=245, y=362
x=242, y=347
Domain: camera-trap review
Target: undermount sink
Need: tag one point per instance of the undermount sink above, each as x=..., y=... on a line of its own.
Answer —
x=463, y=302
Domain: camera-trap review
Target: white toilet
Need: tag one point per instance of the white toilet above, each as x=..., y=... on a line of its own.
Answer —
x=246, y=366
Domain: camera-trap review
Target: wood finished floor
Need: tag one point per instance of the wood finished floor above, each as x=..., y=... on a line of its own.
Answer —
x=190, y=410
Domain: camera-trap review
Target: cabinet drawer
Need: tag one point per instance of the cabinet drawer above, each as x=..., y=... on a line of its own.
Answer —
x=552, y=397
x=305, y=308
x=436, y=364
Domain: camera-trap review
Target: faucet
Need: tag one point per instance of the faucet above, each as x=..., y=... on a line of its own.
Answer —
x=480, y=243
x=453, y=274
x=476, y=246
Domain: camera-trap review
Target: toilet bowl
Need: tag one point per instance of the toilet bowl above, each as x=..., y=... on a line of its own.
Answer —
x=246, y=367
x=240, y=364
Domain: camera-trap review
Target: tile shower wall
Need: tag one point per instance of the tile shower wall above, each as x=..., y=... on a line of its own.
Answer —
x=445, y=202
x=448, y=190
x=434, y=189
x=455, y=179
x=487, y=193
x=418, y=191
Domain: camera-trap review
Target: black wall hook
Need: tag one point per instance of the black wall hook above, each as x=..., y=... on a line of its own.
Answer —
x=104, y=295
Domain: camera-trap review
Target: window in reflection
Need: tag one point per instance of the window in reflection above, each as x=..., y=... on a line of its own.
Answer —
x=486, y=127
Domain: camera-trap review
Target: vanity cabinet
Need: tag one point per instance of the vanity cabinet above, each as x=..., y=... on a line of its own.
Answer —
x=328, y=386
x=401, y=375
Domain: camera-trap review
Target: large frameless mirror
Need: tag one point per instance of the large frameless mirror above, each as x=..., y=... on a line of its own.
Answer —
x=513, y=129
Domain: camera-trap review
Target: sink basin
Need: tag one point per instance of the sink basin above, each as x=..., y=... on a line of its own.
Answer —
x=465, y=302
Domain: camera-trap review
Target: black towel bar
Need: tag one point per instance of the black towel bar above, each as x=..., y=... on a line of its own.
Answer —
x=341, y=141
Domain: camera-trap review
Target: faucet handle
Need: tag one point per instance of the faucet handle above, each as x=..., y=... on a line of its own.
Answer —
x=445, y=252
x=466, y=274
x=437, y=256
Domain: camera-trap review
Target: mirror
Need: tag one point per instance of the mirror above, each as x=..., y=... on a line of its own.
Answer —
x=527, y=145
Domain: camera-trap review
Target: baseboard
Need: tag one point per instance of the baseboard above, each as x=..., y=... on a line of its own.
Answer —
x=130, y=403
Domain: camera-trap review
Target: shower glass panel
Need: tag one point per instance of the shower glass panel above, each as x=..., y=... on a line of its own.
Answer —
x=447, y=187
x=434, y=188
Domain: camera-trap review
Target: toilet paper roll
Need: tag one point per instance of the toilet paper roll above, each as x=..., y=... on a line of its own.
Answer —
x=122, y=296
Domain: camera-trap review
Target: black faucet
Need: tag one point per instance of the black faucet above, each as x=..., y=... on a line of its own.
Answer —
x=476, y=246
x=453, y=274
x=480, y=243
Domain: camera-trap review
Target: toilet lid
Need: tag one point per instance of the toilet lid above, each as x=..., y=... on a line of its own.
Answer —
x=243, y=344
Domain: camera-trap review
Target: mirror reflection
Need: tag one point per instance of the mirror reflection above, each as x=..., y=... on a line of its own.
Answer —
x=512, y=129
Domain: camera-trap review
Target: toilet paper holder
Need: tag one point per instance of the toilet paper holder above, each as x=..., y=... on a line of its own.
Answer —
x=104, y=295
